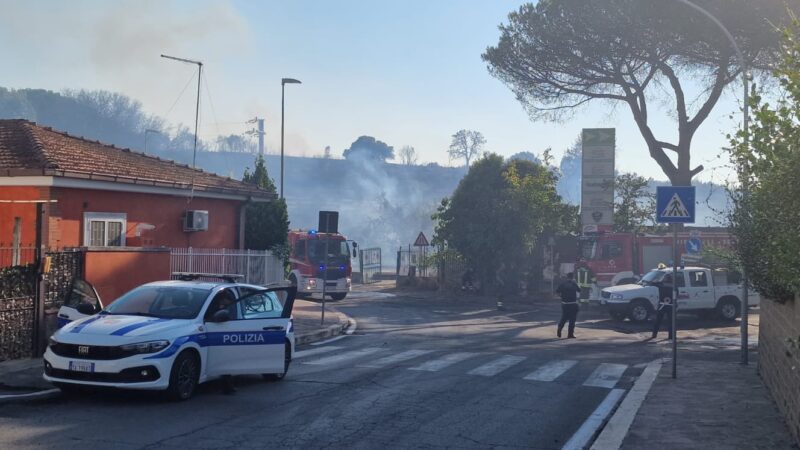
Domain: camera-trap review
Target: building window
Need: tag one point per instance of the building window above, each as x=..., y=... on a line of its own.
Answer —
x=104, y=229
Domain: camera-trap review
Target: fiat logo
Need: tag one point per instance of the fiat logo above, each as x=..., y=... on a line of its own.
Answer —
x=83, y=349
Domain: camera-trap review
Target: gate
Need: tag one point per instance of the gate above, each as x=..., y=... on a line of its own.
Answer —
x=25, y=323
x=415, y=262
x=259, y=267
x=17, y=296
x=369, y=262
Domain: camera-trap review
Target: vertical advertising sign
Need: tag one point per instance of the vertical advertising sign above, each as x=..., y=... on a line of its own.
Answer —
x=597, y=178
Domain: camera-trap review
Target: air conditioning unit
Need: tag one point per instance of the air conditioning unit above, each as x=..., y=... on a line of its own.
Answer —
x=195, y=221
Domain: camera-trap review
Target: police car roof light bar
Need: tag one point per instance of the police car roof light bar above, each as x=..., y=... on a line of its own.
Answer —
x=227, y=277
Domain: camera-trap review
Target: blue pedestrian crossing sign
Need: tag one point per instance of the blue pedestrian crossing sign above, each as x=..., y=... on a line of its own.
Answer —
x=675, y=204
x=694, y=246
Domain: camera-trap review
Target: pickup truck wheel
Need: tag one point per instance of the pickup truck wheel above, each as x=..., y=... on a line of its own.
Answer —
x=640, y=310
x=728, y=309
x=616, y=315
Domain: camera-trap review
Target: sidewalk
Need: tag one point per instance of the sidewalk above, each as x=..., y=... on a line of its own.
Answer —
x=22, y=377
x=714, y=403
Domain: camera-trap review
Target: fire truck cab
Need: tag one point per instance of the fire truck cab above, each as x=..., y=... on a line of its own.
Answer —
x=308, y=263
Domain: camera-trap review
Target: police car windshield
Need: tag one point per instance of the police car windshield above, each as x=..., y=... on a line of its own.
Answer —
x=167, y=302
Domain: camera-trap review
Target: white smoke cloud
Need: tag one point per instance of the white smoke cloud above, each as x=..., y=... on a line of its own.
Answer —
x=116, y=45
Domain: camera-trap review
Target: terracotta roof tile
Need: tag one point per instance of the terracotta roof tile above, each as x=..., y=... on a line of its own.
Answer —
x=25, y=146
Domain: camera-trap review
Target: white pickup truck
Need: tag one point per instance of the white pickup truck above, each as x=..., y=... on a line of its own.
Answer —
x=700, y=290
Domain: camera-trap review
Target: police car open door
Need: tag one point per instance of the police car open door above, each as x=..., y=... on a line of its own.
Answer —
x=256, y=339
x=81, y=301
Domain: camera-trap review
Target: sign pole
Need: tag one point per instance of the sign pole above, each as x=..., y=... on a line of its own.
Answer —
x=675, y=205
x=675, y=300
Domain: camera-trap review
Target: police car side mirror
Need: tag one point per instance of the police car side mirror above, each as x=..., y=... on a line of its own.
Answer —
x=222, y=315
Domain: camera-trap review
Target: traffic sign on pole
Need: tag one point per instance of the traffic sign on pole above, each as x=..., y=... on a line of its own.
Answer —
x=675, y=204
x=694, y=246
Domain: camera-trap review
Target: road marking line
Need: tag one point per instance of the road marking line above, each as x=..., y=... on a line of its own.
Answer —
x=551, y=371
x=314, y=351
x=581, y=438
x=394, y=359
x=346, y=356
x=606, y=375
x=31, y=395
x=473, y=313
x=444, y=361
x=617, y=427
x=496, y=366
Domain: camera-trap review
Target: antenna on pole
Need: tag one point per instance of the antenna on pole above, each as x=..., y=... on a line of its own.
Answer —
x=196, y=109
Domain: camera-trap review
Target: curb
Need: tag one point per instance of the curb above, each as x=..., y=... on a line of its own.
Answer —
x=30, y=397
x=326, y=333
x=620, y=423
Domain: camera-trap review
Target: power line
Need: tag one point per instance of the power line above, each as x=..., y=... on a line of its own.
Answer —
x=211, y=103
x=179, y=96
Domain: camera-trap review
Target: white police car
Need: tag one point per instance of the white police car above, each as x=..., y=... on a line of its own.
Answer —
x=174, y=335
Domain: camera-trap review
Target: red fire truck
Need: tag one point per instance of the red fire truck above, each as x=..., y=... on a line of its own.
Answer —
x=618, y=258
x=308, y=261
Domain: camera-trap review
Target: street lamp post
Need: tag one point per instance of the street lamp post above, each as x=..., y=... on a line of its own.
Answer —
x=284, y=82
x=146, y=132
x=746, y=128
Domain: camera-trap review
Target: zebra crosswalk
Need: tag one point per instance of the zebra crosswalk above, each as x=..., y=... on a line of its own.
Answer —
x=603, y=375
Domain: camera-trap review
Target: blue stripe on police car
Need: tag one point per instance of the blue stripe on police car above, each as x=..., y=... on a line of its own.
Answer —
x=127, y=329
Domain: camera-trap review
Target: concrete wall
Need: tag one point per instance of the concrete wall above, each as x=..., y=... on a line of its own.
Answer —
x=114, y=272
x=779, y=361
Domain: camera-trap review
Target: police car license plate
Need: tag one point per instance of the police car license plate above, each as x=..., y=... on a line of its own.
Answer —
x=81, y=366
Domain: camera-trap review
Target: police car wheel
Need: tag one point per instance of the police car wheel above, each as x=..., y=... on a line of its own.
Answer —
x=287, y=359
x=183, y=377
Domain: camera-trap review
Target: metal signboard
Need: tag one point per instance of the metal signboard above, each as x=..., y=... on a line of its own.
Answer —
x=675, y=204
x=597, y=177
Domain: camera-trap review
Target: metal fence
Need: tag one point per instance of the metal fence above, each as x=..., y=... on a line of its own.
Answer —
x=16, y=327
x=369, y=262
x=257, y=266
x=16, y=255
x=415, y=262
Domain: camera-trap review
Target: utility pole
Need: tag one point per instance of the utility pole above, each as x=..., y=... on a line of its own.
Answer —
x=259, y=132
x=746, y=127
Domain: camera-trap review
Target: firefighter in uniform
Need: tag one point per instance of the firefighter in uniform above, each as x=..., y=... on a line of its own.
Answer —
x=569, y=291
x=665, y=294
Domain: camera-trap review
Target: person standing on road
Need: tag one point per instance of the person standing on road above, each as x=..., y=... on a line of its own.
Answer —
x=569, y=291
x=665, y=293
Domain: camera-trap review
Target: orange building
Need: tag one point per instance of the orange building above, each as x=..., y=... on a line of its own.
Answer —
x=118, y=204
x=103, y=196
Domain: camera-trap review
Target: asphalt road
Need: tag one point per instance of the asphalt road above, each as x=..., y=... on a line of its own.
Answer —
x=420, y=371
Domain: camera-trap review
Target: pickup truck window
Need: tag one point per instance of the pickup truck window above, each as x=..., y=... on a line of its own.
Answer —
x=698, y=278
x=668, y=280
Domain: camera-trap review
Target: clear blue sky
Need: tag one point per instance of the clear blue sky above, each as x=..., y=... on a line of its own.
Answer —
x=408, y=73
